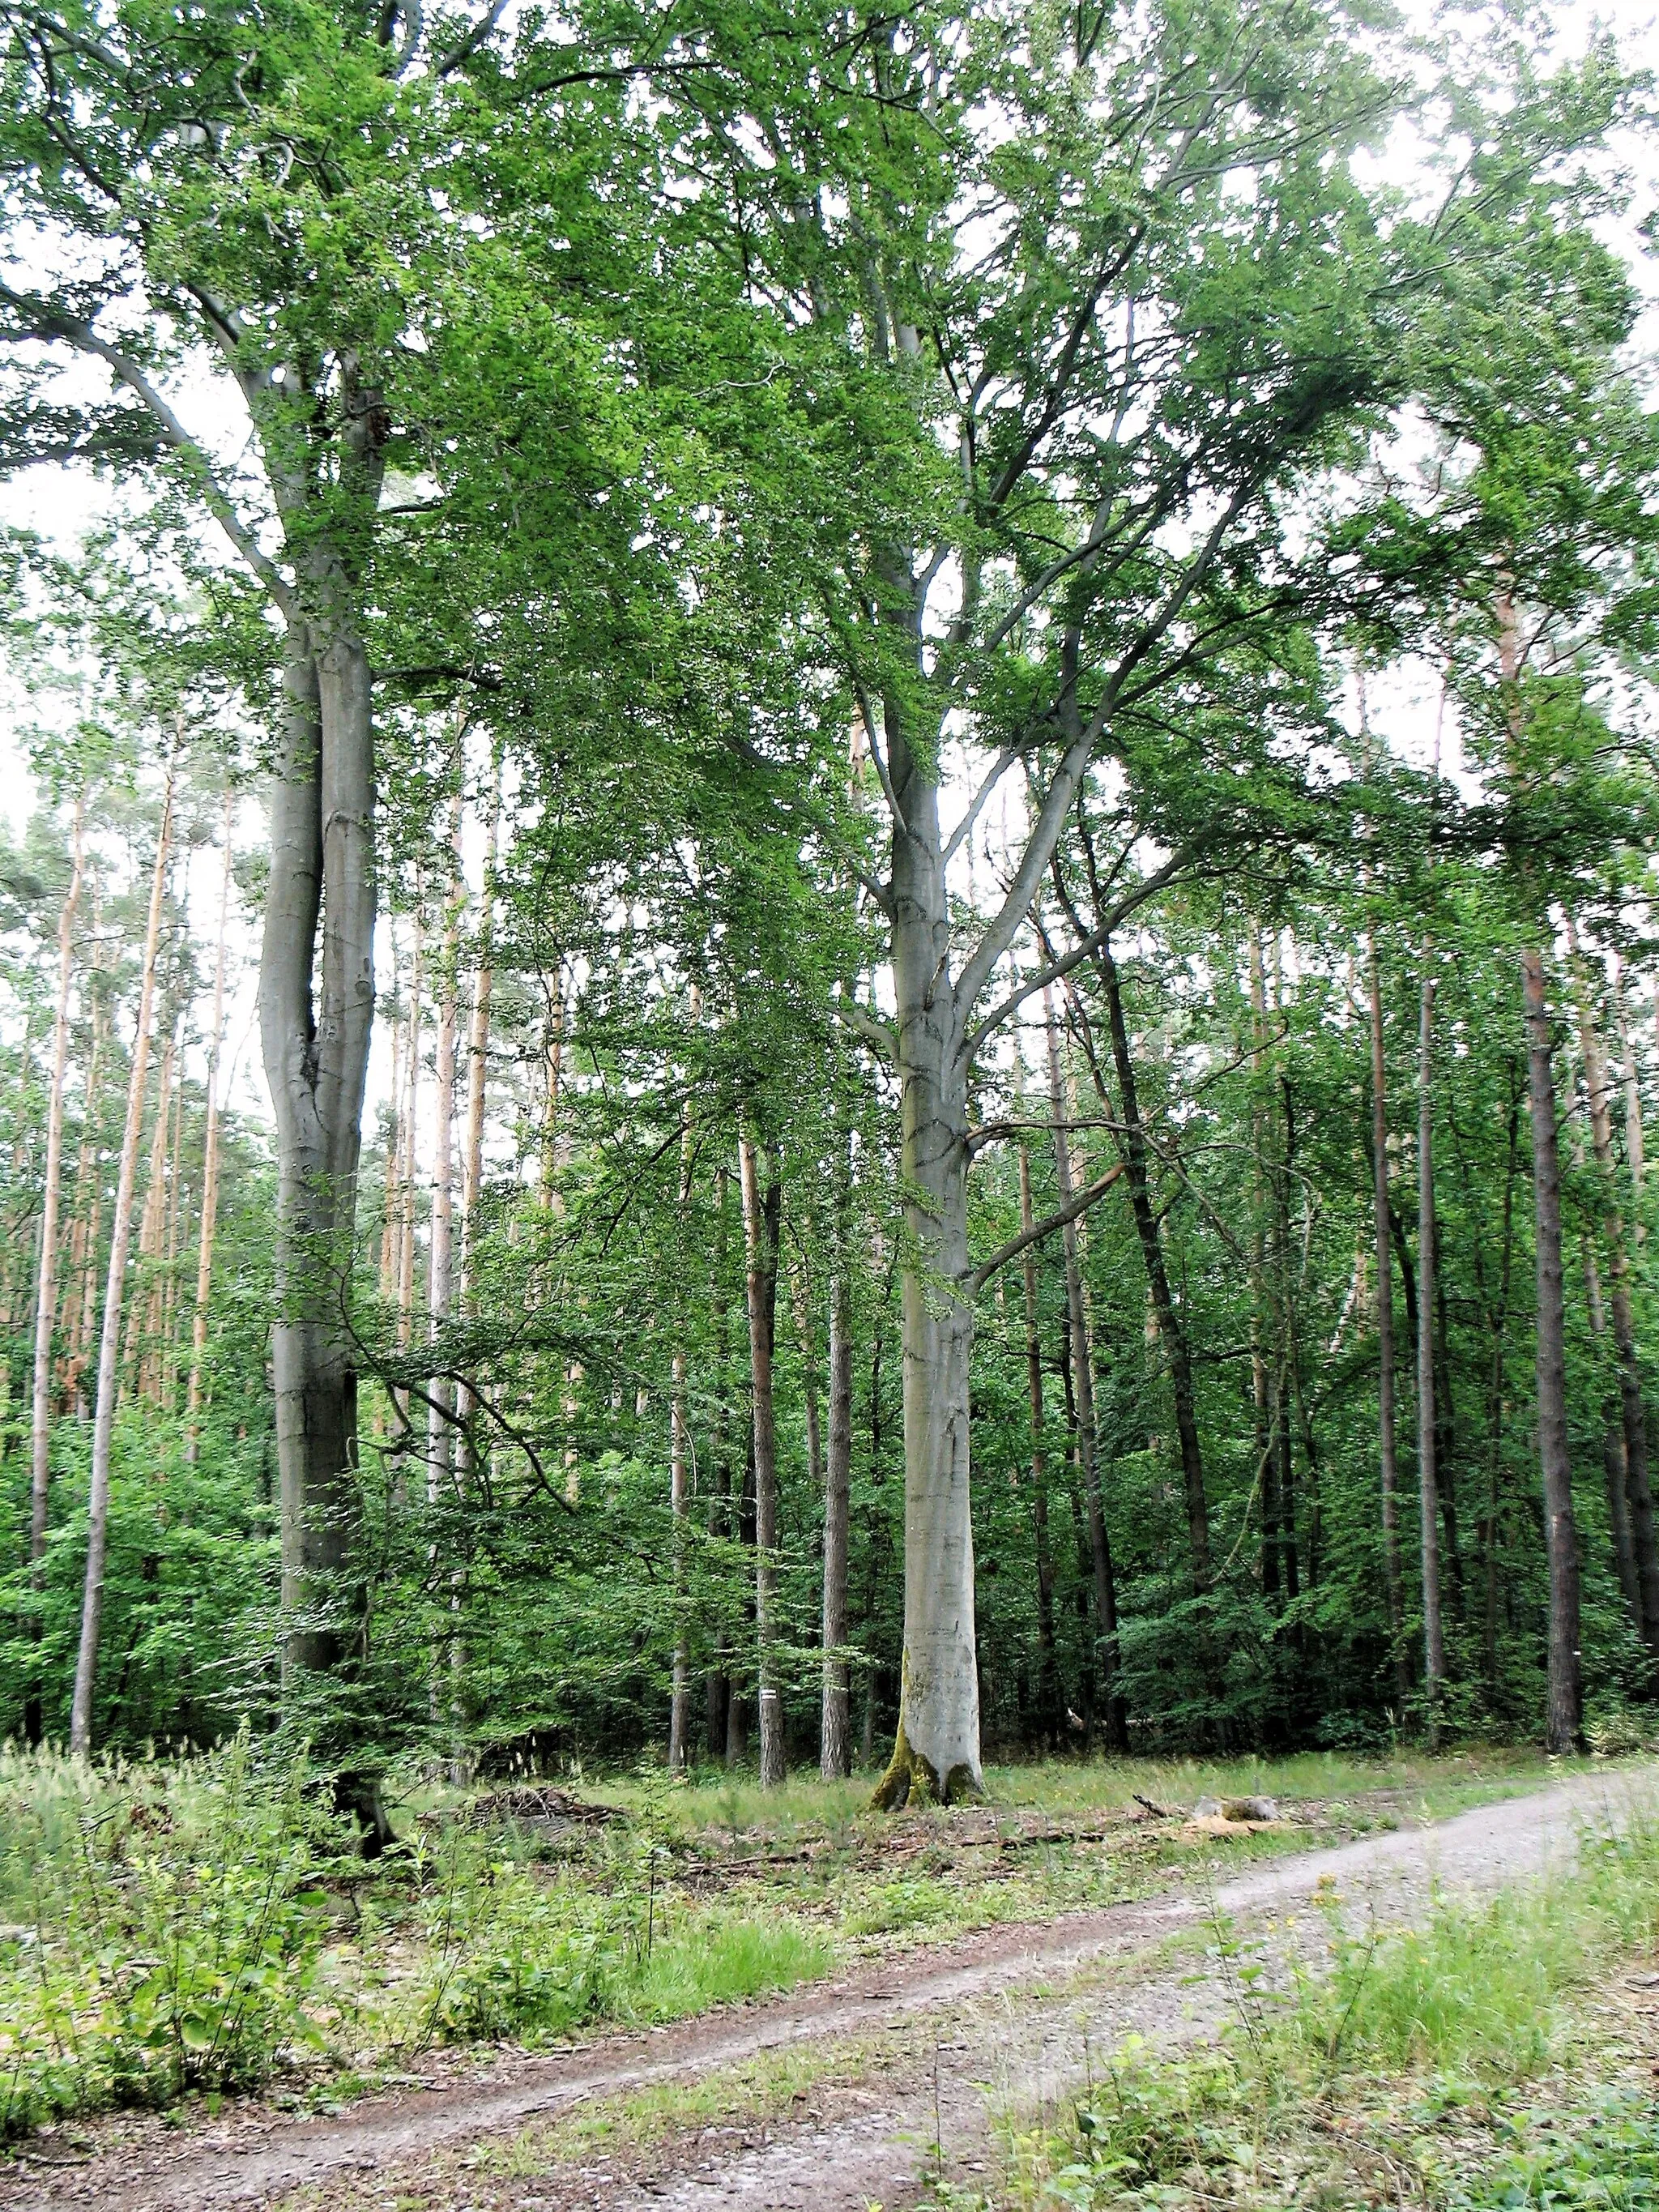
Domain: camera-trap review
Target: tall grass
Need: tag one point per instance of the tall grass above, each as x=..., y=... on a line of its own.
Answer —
x=204, y=1923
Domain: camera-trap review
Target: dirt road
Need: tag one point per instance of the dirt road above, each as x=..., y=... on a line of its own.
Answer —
x=1008, y=2016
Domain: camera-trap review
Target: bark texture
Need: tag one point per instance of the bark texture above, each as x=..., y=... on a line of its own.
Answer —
x=937, y=1751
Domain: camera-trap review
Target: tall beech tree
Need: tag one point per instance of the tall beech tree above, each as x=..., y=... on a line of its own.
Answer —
x=1086, y=427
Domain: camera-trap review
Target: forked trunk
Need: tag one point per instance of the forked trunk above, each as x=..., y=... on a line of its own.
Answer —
x=103, y=1429
x=314, y=1031
x=1567, y=1719
x=45, y=1300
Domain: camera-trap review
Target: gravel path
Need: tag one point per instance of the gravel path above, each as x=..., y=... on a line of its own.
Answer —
x=1016, y=2009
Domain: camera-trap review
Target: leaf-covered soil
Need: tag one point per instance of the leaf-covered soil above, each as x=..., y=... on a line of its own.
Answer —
x=841, y=2095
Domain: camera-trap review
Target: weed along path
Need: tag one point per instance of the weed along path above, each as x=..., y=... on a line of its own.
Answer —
x=842, y=2096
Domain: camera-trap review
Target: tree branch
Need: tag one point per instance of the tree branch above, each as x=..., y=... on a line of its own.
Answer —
x=1079, y=1203
x=1005, y=760
x=51, y=323
x=468, y=45
x=1092, y=944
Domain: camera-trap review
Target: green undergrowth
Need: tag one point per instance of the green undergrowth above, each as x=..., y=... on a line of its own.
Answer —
x=1500, y=2054
x=204, y=1925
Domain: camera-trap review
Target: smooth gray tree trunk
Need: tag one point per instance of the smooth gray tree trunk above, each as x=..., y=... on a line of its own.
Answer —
x=316, y=1012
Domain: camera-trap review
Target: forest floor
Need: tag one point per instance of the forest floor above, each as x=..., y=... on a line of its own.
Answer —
x=887, y=2082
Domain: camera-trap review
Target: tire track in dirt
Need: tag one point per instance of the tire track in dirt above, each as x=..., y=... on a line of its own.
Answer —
x=1009, y=2025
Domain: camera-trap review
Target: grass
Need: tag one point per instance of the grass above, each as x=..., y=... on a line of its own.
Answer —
x=203, y=1925
x=712, y=1804
x=1490, y=2057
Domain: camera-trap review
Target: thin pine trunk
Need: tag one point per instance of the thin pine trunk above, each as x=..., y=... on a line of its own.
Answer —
x=1644, y=1541
x=1566, y=1712
x=88, y=1173
x=91, y=1609
x=409, y=1169
x=1171, y=1328
x=1050, y=1701
x=45, y=1300
x=761, y=1218
x=167, y=1363
x=1434, y=1646
x=209, y=1221
x=145, y=1318
x=834, y=1742
x=440, y=1256
x=1100, y=1555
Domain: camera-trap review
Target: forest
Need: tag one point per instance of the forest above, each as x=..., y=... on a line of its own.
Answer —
x=828, y=940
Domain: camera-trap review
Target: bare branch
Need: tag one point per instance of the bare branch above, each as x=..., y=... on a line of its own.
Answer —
x=48, y=323
x=1005, y=760
x=465, y=48
x=1079, y=1203
x=1148, y=888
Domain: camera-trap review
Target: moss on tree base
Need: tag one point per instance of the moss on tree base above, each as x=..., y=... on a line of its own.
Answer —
x=911, y=1778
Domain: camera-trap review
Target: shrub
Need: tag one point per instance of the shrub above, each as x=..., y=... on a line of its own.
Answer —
x=174, y=1925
